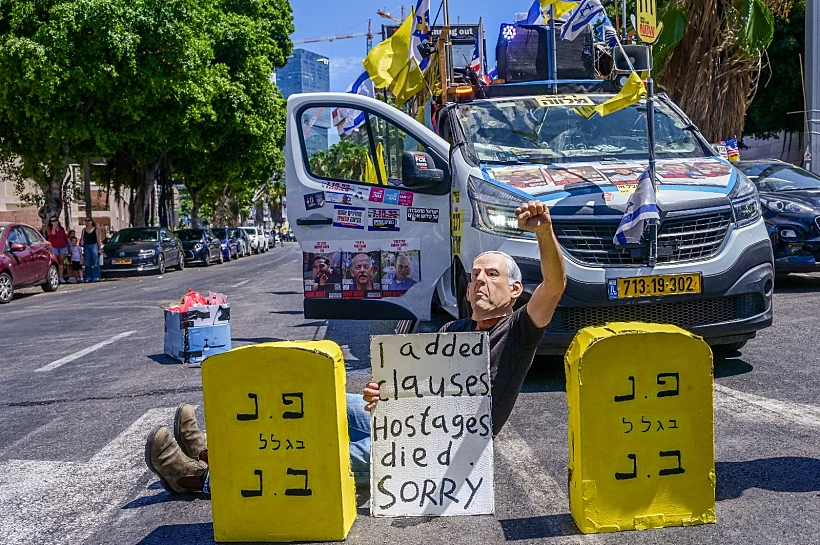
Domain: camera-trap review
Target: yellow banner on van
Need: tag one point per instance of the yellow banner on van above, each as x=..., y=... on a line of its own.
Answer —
x=641, y=428
x=278, y=445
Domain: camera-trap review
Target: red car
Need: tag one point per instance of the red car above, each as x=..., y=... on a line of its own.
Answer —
x=26, y=259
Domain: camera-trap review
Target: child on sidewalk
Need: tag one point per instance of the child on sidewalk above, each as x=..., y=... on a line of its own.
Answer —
x=76, y=260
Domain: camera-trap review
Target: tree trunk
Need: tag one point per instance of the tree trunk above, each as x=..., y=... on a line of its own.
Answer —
x=142, y=201
x=52, y=197
x=87, y=188
x=195, y=205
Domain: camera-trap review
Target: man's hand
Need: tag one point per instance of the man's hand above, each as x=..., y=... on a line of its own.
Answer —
x=371, y=395
x=533, y=216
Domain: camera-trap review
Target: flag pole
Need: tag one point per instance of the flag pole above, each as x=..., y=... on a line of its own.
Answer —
x=650, y=136
x=553, y=54
x=448, y=45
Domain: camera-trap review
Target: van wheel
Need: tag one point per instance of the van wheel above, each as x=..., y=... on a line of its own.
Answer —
x=464, y=308
x=728, y=349
x=6, y=288
x=52, y=279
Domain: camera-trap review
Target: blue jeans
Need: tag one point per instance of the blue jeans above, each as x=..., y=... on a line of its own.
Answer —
x=358, y=427
x=91, y=255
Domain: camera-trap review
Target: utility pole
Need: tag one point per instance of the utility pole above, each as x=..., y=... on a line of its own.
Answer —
x=813, y=81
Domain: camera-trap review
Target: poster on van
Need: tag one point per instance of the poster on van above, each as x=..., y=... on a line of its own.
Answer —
x=322, y=270
x=361, y=270
x=401, y=266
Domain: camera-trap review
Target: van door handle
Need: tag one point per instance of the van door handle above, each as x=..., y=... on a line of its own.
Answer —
x=312, y=221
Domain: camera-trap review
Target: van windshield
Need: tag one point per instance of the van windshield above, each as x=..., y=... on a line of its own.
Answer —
x=535, y=130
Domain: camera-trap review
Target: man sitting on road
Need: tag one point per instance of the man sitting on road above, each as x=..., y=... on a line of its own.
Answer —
x=495, y=286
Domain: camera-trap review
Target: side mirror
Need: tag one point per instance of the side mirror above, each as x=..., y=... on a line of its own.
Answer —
x=17, y=247
x=419, y=171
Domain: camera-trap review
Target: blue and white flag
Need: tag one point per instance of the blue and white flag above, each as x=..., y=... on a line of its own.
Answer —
x=583, y=15
x=422, y=32
x=346, y=120
x=493, y=75
x=606, y=31
x=642, y=206
x=534, y=16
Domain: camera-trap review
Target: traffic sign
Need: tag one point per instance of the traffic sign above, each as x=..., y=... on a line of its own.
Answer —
x=647, y=21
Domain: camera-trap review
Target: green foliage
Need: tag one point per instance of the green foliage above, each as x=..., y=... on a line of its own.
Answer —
x=344, y=160
x=780, y=88
x=756, y=25
x=674, y=19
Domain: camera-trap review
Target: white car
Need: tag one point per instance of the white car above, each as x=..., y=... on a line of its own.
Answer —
x=253, y=237
x=708, y=268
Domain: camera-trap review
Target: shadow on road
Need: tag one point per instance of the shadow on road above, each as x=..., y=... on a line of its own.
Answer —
x=731, y=366
x=539, y=527
x=546, y=375
x=164, y=359
x=285, y=292
x=797, y=284
x=181, y=534
x=257, y=340
x=784, y=474
x=290, y=312
x=162, y=497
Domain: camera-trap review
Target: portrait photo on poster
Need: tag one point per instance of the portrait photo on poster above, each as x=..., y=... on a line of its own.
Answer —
x=322, y=271
x=361, y=270
x=314, y=200
x=401, y=267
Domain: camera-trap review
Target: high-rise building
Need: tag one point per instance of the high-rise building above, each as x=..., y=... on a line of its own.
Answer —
x=308, y=72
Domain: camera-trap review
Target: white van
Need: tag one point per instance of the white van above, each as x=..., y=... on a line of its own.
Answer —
x=385, y=234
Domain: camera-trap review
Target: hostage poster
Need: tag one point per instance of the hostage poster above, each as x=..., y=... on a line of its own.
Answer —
x=321, y=268
x=401, y=266
x=361, y=266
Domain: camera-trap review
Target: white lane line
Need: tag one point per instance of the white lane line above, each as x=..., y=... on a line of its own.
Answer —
x=545, y=495
x=242, y=283
x=83, y=352
x=741, y=402
x=35, y=495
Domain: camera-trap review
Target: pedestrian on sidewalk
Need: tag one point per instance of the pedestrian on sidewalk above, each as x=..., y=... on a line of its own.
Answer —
x=76, y=260
x=92, y=250
x=58, y=238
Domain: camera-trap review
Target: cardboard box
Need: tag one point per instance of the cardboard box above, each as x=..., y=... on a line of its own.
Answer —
x=194, y=344
x=198, y=316
x=641, y=428
x=278, y=446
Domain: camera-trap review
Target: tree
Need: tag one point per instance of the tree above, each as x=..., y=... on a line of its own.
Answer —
x=710, y=58
x=780, y=90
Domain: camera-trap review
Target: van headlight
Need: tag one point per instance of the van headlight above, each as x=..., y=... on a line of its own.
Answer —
x=745, y=201
x=494, y=209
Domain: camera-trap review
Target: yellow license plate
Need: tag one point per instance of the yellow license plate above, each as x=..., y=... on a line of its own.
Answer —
x=654, y=286
x=122, y=262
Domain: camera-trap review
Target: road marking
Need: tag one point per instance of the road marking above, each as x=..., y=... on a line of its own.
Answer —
x=544, y=494
x=742, y=402
x=35, y=495
x=83, y=352
x=242, y=283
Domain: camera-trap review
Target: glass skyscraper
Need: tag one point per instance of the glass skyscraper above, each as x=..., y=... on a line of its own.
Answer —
x=307, y=72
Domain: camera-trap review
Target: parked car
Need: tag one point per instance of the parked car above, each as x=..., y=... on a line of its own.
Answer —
x=26, y=259
x=263, y=239
x=270, y=238
x=230, y=246
x=142, y=249
x=253, y=238
x=244, y=241
x=790, y=198
x=201, y=246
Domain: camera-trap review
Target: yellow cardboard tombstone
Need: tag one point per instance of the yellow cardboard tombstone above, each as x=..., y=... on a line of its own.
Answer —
x=641, y=428
x=278, y=443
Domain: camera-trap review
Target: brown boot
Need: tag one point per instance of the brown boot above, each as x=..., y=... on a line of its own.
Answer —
x=164, y=457
x=190, y=438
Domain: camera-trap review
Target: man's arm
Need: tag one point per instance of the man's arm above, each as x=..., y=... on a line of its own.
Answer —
x=534, y=216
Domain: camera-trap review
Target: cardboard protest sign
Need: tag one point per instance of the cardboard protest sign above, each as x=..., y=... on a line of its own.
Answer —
x=431, y=449
x=278, y=445
x=641, y=428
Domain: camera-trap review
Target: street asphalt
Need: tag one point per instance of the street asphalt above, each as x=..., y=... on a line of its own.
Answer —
x=72, y=435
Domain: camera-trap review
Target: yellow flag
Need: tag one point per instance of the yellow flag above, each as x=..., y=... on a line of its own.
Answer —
x=632, y=92
x=370, y=175
x=391, y=64
x=560, y=8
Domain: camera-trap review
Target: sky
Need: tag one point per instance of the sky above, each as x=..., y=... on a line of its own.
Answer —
x=316, y=18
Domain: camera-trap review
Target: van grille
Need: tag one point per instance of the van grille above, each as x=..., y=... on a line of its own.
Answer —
x=685, y=314
x=690, y=238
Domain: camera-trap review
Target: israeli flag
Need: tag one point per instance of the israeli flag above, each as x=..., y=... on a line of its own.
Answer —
x=642, y=206
x=534, y=16
x=346, y=120
x=586, y=12
x=422, y=32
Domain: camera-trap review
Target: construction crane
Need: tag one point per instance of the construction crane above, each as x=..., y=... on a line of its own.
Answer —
x=368, y=34
x=386, y=15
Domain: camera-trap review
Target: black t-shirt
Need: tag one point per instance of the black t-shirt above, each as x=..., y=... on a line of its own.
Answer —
x=513, y=341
